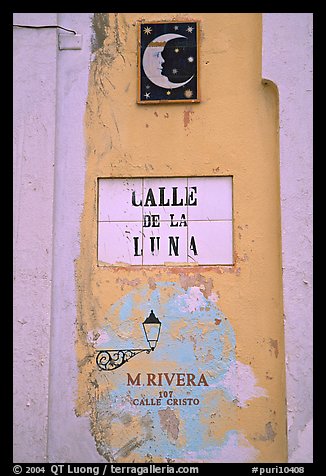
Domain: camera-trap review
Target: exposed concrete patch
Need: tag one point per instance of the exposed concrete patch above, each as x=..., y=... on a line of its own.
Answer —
x=205, y=284
x=100, y=23
x=274, y=345
x=269, y=433
x=187, y=117
x=151, y=283
x=128, y=448
x=169, y=423
x=125, y=281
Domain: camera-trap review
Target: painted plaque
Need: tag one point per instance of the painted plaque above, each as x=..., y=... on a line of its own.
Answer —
x=157, y=221
x=168, y=62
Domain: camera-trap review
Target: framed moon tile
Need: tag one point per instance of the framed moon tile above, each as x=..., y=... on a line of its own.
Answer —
x=168, y=60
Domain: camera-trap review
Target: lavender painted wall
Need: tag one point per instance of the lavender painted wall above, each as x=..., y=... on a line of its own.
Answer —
x=50, y=87
x=34, y=88
x=287, y=61
x=69, y=436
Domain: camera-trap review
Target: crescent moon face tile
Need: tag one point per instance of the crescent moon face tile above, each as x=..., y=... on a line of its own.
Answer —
x=168, y=62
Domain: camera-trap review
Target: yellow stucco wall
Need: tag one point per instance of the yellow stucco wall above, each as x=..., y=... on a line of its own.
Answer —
x=232, y=131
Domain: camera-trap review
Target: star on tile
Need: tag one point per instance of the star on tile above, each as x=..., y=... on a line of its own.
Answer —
x=176, y=27
x=189, y=29
x=147, y=30
x=147, y=95
x=188, y=93
x=174, y=71
x=190, y=59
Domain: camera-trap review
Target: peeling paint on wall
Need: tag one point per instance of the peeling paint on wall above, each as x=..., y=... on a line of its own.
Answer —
x=221, y=342
x=191, y=343
x=100, y=25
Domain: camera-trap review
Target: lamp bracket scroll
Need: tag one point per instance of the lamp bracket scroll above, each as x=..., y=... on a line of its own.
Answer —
x=111, y=359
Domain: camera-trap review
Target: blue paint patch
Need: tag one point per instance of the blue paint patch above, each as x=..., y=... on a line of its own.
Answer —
x=199, y=347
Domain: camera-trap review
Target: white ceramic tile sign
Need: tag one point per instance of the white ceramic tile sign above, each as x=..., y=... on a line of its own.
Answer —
x=163, y=221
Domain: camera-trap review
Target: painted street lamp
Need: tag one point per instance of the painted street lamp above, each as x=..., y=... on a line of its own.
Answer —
x=152, y=328
x=111, y=359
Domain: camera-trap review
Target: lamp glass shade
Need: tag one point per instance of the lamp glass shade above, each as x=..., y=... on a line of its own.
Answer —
x=152, y=327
